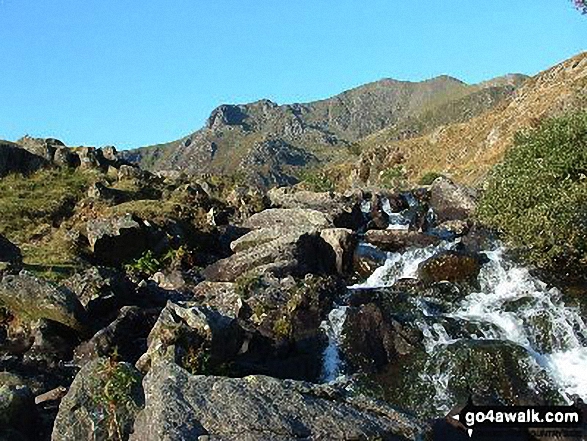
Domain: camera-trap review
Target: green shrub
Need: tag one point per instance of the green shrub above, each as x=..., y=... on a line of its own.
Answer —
x=537, y=197
x=429, y=178
x=146, y=264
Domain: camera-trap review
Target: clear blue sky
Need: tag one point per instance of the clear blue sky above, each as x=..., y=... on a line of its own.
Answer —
x=137, y=72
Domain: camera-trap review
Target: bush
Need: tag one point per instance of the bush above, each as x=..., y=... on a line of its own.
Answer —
x=537, y=197
x=317, y=181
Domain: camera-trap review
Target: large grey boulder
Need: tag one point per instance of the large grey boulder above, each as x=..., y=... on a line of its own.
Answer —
x=101, y=403
x=180, y=406
x=29, y=297
x=14, y=159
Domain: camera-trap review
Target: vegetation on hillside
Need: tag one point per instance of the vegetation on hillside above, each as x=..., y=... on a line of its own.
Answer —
x=538, y=196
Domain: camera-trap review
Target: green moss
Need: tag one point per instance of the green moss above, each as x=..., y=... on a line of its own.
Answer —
x=282, y=327
x=429, y=178
x=246, y=284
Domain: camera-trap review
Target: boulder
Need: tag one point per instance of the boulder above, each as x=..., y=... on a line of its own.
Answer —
x=451, y=201
x=181, y=406
x=451, y=229
x=195, y=337
x=117, y=239
x=90, y=158
x=101, y=403
x=399, y=240
x=100, y=191
x=10, y=257
x=342, y=242
x=66, y=157
x=379, y=218
x=31, y=298
x=293, y=253
x=129, y=172
x=52, y=344
x=451, y=266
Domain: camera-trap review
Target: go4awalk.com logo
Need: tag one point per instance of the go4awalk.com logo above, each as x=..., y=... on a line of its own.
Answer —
x=521, y=417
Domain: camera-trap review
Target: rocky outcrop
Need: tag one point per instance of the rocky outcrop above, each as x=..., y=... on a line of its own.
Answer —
x=181, y=406
x=14, y=159
x=31, y=298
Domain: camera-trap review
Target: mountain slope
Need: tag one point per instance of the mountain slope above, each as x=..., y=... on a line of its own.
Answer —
x=467, y=150
x=269, y=144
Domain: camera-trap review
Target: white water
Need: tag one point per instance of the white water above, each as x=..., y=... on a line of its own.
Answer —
x=508, y=306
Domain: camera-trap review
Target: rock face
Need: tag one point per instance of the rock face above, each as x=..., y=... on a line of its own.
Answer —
x=342, y=242
x=31, y=298
x=181, y=406
x=10, y=257
x=125, y=234
x=101, y=403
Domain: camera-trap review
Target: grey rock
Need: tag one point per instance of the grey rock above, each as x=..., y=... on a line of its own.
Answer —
x=342, y=242
x=181, y=406
x=399, y=240
x=31, y=298
x=18, y=416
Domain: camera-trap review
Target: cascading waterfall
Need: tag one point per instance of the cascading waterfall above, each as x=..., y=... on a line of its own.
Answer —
x=512, y=306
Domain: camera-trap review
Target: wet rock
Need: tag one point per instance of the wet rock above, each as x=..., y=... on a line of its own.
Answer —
x=126, y=336
x=125, y=234
x=10, y=257
x=195, y=337
x=31, y=298
x=450, y=230
x=451, y=201
x=181, y=406
x=373, y=339
x=342, y=242
x=18, y=416
x=451, y=266
x=101, y=403
x=398, y=240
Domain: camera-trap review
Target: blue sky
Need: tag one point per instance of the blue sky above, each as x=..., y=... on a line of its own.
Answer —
x=138, y=72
